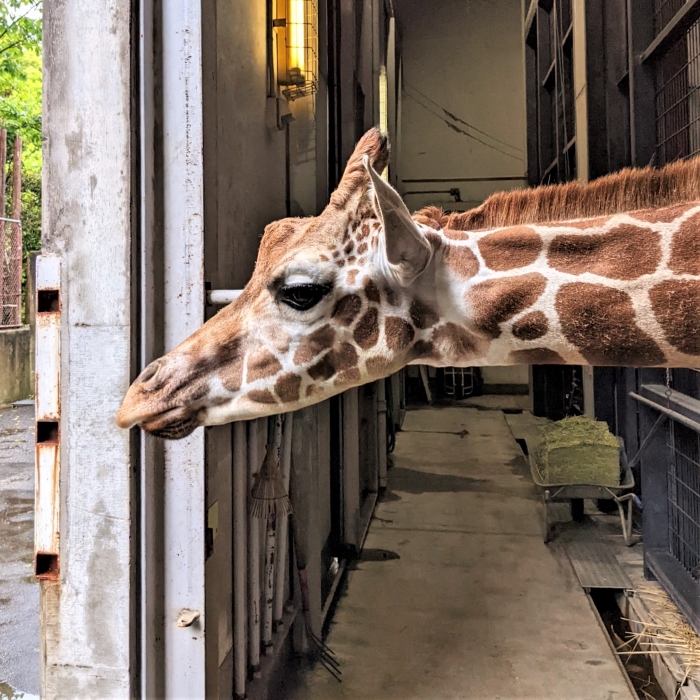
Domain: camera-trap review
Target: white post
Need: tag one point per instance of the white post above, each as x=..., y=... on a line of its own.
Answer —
x=183, y=209
x=283, y=524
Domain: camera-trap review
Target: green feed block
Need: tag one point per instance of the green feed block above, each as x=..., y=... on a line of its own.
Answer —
x=579, y=450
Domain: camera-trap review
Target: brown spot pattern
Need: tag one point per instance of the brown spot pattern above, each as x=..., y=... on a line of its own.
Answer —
x=498, y=300
x=262, y=364
x=348, y=376
x=399, y=333
x=366, y=332
x=664, y=215
x=362, y=248
x=422, y=315
x=351, y=277
x=287, y=387
x=600, y=322
x=335, y=361
x=261, y=396
x=531, y=326
x=454, y=341
x=390, y=296
x=422, y=348
x=347, y=309
x=537, y=356
x=583, y=224
x=349, y=247
x=371, y=291
x=685, y=247
x=377, y=366
x=314, y=344
x=511, y=248
x=461, y=260
x=625, y=252
x=676, y=305
x=231, y=375
x=455, y=235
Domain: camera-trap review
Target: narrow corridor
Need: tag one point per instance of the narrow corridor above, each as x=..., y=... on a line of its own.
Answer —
x=456, y=596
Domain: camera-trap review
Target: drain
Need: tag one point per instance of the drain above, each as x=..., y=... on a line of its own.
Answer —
x=638, y=667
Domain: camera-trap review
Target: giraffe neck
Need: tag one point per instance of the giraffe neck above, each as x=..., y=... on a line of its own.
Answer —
x=618, y=291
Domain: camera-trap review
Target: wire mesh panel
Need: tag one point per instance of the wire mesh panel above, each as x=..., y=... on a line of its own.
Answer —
x=664, y=12
x=684, y=498
x=11, y=274
x=678, y=98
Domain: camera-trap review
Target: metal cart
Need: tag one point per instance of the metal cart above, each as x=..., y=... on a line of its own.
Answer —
x=575, y=493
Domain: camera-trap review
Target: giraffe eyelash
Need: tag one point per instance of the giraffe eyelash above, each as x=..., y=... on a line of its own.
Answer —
x=303, y=297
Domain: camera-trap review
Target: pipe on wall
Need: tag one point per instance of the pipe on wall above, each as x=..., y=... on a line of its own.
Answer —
x=283, y=524
x=381, y=429
x=240, y=556
x=253, y=555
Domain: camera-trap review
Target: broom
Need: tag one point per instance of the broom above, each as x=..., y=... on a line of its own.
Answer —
x=270, y=498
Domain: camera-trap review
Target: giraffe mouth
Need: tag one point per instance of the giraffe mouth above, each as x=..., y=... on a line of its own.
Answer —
x=171, y=424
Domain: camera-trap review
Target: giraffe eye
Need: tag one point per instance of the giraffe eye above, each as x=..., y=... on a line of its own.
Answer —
x=303, y=297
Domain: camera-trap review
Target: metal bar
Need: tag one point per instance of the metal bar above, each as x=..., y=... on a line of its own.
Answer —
x=674, y=415
x=253, y=555
x=183, y=215
x=381, y=428
x=508, y=178
x=682, y=21
x=655, y=428
x=240, y=552
x=351, y=469
x=48, y=390
x=223, y=296
x=151, y=591
x=274, y=438
x=283, y=525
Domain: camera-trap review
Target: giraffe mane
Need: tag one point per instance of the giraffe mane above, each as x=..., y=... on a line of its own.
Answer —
x=631, y=189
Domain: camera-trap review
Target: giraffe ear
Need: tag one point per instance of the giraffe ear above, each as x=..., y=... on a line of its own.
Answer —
x=407, y=251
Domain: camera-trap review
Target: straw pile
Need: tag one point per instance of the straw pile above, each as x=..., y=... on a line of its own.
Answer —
x=666, y=632
x=579, y=450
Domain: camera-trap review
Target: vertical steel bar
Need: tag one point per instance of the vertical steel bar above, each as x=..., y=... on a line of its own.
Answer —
x=283, y=525
x=275, y=438
x=240, y=550
x=151, y=583
x=16, y=237
x=381, y=429
x=351, y=468
x=183, y=212
x=253, y=555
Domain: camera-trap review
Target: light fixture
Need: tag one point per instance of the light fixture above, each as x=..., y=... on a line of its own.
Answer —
x=296, y=47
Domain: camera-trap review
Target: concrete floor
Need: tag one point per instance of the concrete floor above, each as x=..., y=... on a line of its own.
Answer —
x=19, y=591
x=456, y=596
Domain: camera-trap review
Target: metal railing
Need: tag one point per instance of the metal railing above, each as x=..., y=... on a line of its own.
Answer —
x=10, y=273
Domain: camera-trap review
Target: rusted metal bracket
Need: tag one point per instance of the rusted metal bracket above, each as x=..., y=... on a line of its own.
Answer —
x=48, y=418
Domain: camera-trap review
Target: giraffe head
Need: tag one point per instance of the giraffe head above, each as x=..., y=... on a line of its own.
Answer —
x=331, y=305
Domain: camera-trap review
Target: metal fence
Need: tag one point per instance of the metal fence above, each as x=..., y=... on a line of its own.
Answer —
x=684, y=497
x=664, y=12
x=11, y=273
x=678, y=98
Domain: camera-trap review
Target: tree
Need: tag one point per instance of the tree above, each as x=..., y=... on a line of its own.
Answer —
x=20, y=108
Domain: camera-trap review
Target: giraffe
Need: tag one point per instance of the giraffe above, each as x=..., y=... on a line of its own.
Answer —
x=606, y=273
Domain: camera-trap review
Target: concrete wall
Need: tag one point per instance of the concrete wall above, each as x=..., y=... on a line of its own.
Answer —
x=465, y=57
x=15, y=364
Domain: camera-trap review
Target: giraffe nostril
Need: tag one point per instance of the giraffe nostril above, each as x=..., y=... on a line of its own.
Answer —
x=149, y=373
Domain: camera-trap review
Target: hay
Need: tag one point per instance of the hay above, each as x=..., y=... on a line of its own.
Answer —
x=579, y=450
x=666, y=632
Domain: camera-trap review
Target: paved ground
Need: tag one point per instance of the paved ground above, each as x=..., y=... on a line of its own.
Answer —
x=19, y=592
x=457, y=596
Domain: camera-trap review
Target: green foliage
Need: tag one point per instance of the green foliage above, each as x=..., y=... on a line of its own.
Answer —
x=20, y=109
